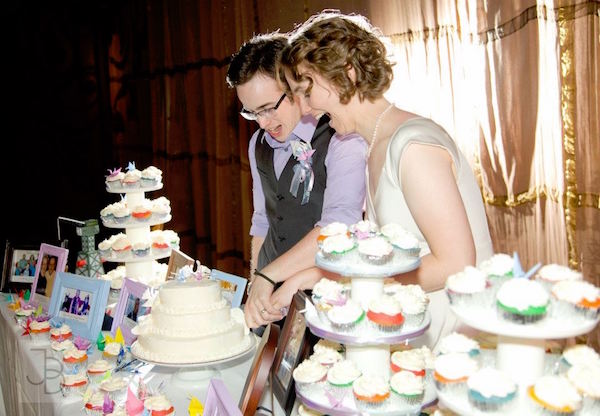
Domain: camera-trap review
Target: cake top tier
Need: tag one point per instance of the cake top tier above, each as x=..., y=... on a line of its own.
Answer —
x=189, y=292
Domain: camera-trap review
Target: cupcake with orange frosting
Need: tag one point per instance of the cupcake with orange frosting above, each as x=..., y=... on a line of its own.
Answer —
x=370, y=392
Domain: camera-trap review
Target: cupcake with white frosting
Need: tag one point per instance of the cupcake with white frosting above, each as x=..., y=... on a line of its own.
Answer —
x=411, y=360
x=327, y=293
x=336, y=246
x=151, y=176
x=385, y=314
x=414, y=302
x=586, y=379
x=132, y=178
x=307, y=374
x=159, y=406
x=58, y=347
x=22, y=314
x=116, y=387
x=74, y=360
x=61, y=333
x=141, y=249
x=326, y=357
x=98, y=369
x=327, y=344
x=468, y=287
x=455, y=342
x=171, y=238
x=580, y=354
x=452, y=371
x=363, y=229
x=554, y=395
x=335, y=228
x=522, y=301
x=111, y=351
x=576, y=298
x=498, y=268
x=370, y=392
x=553, y=273
x=341, y=376
x=490, y=389
x=347, y=317
x=402, y=240
x=94, y=406
x=114, y=179
x=73, y=383
x=375, y=250
x=39, y=331
x=122, y=215
x=408, y=387
x=160, y=211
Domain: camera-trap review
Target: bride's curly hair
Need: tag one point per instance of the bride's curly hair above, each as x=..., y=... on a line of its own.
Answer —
x=331, y=44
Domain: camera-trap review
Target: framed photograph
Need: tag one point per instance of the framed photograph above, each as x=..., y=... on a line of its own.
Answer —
x=293, y=347
x=20, y=262
x=130, y=309
x=232, y=286
x=80, y=301
x=177, y=260
x=51, y=261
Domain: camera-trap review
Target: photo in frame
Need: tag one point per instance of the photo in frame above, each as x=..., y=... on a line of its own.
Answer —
x=232, y=286
x=51, y=261
x=79, y=301
x=177, y=260
x=130, y=308
x=20, y=261
x=293, y=347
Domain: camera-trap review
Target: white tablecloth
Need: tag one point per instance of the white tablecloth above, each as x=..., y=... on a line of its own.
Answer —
x=30, y=377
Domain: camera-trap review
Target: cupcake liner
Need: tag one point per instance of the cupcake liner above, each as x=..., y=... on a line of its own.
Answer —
x=414, y=319
x=307, y=388
x=519, y=318
x=407, y=252
x=454, y=387
x=339, y=390
x=369, y=406
x=122, y=220
x=388, y=329
x=132, y=185
x=141, y=253
x=488, y=404
x=113, y=185
x=68, y=391
x=377, y=260
x=146, y=182
x=74, y=367
x=348, y=327
x=409, y=399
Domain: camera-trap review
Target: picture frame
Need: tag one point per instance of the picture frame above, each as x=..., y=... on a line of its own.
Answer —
x=129, y=309
x=293, y=347
x=16, y=276
x=232, y=286
x=80, y=301
x=260, y=370
x=219, y=401
x=177, y=260
x=51, y=261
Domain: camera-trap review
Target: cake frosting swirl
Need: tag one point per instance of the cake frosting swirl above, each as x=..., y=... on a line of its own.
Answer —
x=309, y=371
x=522, y=294
x=586, y=379
x=405, y=382
x=455, y=342
x=343, y=372
x=498, y=265
x=557, y=392
x=557, y=272
x=469, y=280
x=369, y=385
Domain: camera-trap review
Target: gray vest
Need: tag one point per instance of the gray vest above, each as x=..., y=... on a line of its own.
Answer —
x=289, y=221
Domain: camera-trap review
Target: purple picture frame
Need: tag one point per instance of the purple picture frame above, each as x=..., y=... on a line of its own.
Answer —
x=130, y=288
x=48, y=250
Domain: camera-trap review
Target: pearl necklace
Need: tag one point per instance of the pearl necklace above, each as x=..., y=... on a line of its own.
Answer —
x=377, y=121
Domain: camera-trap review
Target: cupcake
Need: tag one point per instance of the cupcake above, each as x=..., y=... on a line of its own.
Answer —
x=452, y=371
x=116, y=387
x=74, y=360
x=106, y=214
x=408, y=387
x=325, y=294
x=456, y=342
x=363, y=229
x=142, y=212
x=171, y=238
x=39, y=331
x=490, y=390
x=122, y=215
x=61, y=333
x=113, y=180
x=375, y=250
x=141, y=249
x=307, y=374
x=105, y=248
x=58, y=347
x=498, y=268
x=336, y=246
x=132, y=178
x=385, y=314
x=553, y=273
x=341, y=376
x=122, y=247
x=586, y=379
x=522, y=301
x=370, y=392
x=151, y=176
x=467, y=288
x=159, y=244
x=414, y=302
x=345, y=318
x=98, y=369
x=554, y=395
x=112, y=351
x=73, y=383
x=159, y=406
x=94, y=406
x=402, y=240
x=579, y=355
x=160, y=211
x=576, y=297
x=326, y=344
x=326, y=357
x=306, y=411
x=22, y=314
x=411, y=360
x=335, y=228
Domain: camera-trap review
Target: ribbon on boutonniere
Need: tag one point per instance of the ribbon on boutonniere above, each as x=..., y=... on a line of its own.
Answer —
x=303, y=172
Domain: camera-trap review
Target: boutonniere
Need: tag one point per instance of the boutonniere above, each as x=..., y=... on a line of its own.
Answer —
x=303, y=172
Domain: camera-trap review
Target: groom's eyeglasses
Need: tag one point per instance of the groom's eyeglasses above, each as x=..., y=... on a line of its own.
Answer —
x=266, y=113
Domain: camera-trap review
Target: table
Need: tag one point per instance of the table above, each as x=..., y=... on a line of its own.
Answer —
x=30, y=377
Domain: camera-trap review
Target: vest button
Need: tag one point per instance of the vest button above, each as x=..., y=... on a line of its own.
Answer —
x=281, y=239
x=279, y=218
x=279, y=197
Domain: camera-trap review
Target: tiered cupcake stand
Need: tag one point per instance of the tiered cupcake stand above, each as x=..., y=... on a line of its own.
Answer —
x=138, y=268
x=367, y=347
x=520, y=352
